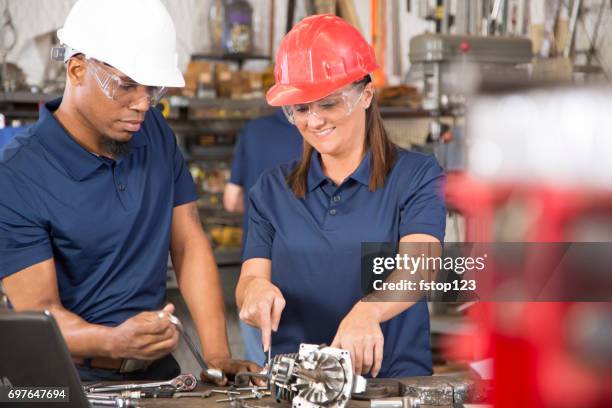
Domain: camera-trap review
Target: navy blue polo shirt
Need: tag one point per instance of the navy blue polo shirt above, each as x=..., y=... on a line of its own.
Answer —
x=264, y=143
x=315, y=247
x=106, y=223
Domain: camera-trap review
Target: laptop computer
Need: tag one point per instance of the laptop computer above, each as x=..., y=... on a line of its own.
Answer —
x=33, y=354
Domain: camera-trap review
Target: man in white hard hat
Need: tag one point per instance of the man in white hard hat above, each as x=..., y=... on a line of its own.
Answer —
x=96, y=193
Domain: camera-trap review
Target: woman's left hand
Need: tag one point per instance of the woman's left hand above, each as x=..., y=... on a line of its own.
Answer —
x=360, y=334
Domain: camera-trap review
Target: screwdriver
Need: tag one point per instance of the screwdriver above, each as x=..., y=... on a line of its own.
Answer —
x=210, y=373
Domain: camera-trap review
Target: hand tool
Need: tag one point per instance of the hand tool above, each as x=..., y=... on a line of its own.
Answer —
x=204, y=394
x=226, y=392
x=254, y=387
x=184, y=382
x=116, y=402
x=254, y=395
x=210, y=373
x=149, y=393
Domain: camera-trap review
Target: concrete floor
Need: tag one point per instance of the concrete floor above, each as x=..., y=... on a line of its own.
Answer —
x=229, y=278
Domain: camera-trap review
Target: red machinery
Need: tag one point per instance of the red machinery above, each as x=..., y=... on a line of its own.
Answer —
x=546, y=354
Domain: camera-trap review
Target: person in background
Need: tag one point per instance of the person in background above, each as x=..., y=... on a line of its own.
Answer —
x=264, y=143
x=95, y=195
x=301, y=275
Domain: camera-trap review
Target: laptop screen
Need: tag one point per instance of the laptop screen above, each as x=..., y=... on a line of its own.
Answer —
x=33, y=354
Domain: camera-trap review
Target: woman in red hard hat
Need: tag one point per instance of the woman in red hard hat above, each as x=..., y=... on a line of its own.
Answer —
x=301, y=274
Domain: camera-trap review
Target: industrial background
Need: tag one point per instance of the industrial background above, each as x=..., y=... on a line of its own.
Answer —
x=449, y=85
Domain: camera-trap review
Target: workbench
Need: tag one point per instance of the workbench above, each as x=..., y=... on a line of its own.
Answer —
x=439, y=389
x=210, y=402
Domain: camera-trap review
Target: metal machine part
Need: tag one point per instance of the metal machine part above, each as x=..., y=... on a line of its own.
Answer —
x=448, y=68
x=210, y=373
x=397, y=402
x=316, y=376
x=445, y=390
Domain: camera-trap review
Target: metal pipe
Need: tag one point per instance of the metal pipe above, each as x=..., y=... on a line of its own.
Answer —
x=572, y=28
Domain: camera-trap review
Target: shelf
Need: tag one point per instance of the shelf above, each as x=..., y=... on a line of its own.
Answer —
x=22, y=105
x=190, y=127
x=203, y=153
x=24, y=97
x=406, y=112
x=238, y=58
x=227, y=255
x=227, y=103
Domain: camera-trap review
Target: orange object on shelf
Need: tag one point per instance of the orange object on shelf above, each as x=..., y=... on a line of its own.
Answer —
x=379, y=40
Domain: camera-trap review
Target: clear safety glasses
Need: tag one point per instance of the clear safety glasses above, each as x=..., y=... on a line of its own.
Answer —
x=127, y=93
x=332, y=108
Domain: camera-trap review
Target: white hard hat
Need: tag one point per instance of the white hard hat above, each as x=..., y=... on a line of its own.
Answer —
x=135, y=36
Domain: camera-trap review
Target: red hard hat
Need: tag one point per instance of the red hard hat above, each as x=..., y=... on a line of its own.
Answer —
x=321, y=54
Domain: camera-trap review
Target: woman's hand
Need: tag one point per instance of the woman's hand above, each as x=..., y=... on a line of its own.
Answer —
x=262, y=307
x=360, y=334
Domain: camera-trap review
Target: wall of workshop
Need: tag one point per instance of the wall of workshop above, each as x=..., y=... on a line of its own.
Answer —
x=36, y=22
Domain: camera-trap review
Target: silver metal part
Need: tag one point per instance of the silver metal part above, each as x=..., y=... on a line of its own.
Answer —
x=183, y=382
x=316, y=376
x=210, y=373
x=243, y=397
x=256, y=388
x=441, y=390
x=116, y=402
x=397, y=402
x=226, y=392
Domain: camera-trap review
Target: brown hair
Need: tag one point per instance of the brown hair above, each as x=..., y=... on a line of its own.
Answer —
x=383, y=153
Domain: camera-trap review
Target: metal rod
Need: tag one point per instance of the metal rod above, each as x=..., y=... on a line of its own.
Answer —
x=572, y=28
x=210, y=373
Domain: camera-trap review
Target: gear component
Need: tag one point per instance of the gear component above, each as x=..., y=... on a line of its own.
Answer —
x=316, y=376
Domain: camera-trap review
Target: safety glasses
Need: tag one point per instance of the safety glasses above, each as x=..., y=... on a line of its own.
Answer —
x=332, y=108
x=125, y=92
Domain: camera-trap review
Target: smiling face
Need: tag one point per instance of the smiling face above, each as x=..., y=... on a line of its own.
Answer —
x=335, y=125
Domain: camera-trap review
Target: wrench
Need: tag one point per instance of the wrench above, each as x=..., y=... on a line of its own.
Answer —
x=115, y=402
x=253, y=395
x=184, y=382
x=210, y=373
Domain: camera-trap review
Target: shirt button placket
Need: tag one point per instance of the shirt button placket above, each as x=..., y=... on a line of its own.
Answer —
x=117, y=176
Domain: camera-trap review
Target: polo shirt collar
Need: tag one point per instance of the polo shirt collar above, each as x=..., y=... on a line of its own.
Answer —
x=362, y=173
x=316, y=176
x=74, y=158
x=315, y=171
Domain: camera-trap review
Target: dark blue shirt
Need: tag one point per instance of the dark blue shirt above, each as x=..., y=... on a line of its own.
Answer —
x=264, y=143
x=8, y=133
x=314, y=244
x=106, y=223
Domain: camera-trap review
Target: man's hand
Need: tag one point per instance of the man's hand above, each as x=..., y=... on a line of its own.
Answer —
x=360, y=334
x=146, y=336
x=232, y=367
x=262, y=307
